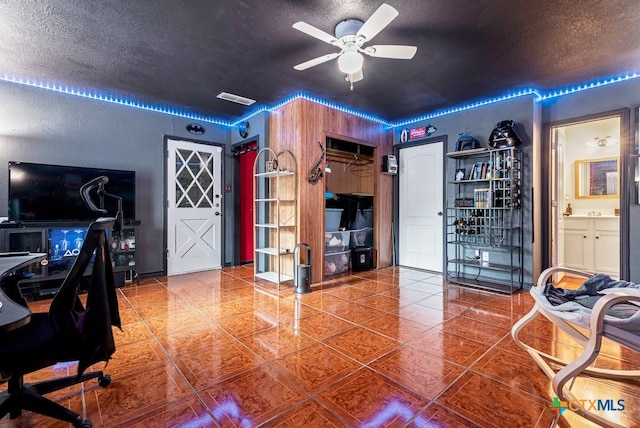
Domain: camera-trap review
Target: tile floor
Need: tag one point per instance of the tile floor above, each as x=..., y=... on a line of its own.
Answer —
x=389, y=348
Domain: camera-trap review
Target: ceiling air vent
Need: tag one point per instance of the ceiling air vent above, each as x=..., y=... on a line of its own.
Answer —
x=235, y=98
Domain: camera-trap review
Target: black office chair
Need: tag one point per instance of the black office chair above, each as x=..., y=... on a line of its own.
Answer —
x=70, y=331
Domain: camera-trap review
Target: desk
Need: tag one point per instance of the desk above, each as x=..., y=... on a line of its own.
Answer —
x=13, y=315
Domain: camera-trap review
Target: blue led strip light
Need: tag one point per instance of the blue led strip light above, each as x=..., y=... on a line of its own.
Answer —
x=539, y=97
x=182, y=113
x=469, y=106
x=317, y=101
x=114, y=100
x=592, y=85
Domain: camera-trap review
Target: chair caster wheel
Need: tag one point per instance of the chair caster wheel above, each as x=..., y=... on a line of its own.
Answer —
x=83, y=424
x=104, y=381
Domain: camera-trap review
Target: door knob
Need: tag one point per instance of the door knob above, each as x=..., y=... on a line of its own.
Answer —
x=217, y=212
x=440, y=213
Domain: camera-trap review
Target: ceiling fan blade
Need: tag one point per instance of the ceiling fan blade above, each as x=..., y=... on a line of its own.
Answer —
x=356, y=77
x=380, y=19
x=316, y=32
x=316, y=61
x=391, y=51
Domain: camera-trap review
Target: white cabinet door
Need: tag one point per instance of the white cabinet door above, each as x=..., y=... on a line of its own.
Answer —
x=592, y=245
x=577, y=251
x=606, y=246
x=578, y=247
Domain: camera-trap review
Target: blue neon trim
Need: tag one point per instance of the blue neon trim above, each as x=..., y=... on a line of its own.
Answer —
x=469, y=106
x=115, y=100
x=595, y=84
x=316, y=100
x=539, y=96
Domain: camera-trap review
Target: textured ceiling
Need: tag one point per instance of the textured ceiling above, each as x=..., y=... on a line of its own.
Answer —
x=183, y=53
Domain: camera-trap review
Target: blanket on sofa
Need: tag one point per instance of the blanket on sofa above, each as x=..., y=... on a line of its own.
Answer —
x=578, y=303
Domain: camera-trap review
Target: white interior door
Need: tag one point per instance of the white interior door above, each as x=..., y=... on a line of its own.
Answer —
x=194, y=207
x=420, y=220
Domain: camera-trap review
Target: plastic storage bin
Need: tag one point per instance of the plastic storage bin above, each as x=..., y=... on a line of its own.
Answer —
x=332, y=217
x=361, y=259
x=364, y=218
x=335, y=263
x=336, y=241
x=361, y=237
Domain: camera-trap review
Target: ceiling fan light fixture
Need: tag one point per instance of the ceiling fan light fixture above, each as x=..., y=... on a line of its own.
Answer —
x=350, y=62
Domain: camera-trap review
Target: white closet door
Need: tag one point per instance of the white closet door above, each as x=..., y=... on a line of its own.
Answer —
x=421, y=207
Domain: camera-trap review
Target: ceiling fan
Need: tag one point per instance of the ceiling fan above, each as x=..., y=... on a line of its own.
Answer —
x=350, y=36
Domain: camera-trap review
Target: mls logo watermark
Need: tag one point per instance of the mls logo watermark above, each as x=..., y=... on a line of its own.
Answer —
x=597, y=405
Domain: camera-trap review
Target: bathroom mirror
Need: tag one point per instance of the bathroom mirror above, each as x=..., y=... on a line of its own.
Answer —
x=597, y=178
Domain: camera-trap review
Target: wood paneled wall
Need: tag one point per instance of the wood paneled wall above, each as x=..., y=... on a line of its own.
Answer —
x=298, y=127
x=350, y=177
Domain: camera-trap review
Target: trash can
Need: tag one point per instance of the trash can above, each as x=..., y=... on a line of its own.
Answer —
x=361, y=259
x=301, y=272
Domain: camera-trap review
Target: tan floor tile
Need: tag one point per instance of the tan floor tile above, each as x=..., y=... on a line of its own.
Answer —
x=381, y=302
x=187, y=412
x=457, y=349
x=321, y=300
x=476, y=330
x=423, y=314
x=321, y=326
x=367, y=398
x=450, y=308
x=316, y=367
x=252, y=398
x=255, y=355
x=135, y=357
x=277, y=341
x=200, y=338
x=176, y=322
x=218, y=311
x=136, y=394
x=407, y=295
x=246, y=323
x=355, y=312
x=217, y=364
x=517, y=370
x=437, y=416
x=131, y=333
x=350, y=293
x=361, y=344
x=488, y=402
x=396, y=328
x=491, y=316
x=423, y=373
x=307, y=414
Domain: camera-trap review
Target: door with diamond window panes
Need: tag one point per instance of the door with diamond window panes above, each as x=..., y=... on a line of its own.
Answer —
x=194, y=207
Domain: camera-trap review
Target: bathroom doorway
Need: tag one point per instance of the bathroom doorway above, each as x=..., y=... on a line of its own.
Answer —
x=586, y=178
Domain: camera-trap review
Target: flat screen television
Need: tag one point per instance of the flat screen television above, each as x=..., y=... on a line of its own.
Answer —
x=51, y=193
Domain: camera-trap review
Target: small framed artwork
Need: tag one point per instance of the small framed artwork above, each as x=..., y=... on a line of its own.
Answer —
x=459, y=174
